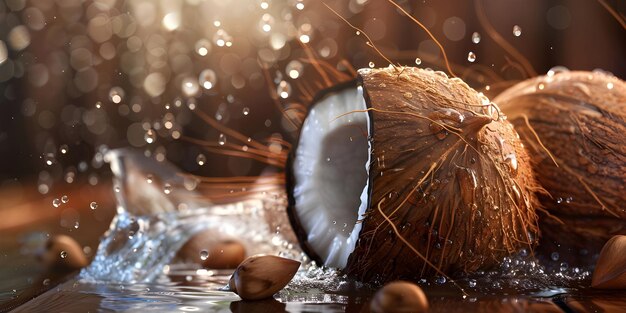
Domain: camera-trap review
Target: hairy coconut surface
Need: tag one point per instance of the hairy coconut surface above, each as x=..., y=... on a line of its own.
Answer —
x=448, y=186
x=580, y=118
x=450, y=179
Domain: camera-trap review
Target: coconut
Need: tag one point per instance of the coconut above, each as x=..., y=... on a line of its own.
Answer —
x=407, y=173
x=573, y=124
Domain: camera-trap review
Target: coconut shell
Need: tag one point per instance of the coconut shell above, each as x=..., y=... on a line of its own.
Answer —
x=580, y=118
x=450, y=180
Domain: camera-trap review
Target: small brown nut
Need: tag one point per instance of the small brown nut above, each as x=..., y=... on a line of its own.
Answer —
x=610, y=272
x=63, y=254
x=224, y=255
x=212, y=250
x=399, y=296
x=261, y=276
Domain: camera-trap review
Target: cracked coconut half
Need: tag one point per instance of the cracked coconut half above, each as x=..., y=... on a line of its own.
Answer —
x=407, y=173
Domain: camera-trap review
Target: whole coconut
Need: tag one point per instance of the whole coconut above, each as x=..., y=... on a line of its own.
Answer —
x=429, y=180
x=574, y=126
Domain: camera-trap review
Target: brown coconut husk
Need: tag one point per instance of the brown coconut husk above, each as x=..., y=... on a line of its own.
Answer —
x=574, y=126
x=451, y=188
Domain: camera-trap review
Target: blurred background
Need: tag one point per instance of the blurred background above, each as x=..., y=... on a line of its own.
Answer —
x=78, y=77
x=81, y=77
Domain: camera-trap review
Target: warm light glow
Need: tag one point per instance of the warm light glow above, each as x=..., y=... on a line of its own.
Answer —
x=171, y=21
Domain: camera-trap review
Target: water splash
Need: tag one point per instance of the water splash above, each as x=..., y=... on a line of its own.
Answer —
x=150, y=225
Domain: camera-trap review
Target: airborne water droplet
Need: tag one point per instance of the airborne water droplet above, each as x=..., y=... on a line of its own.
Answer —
x=49, y=158
x=517, y=31
x=150, y=136
x=63, y=254
x=283, y=89
x=371, y=64
x=204, y=255
x=418, y=61
x=294, y=69
x=65, y=199
x=471, y=56
x=63, y=149
x=207, y=79
x=475, y=37
x=246, y=111
x=221, y=140
x=201, y=159
x=93, y=205
x=472, y=283
x=167, y=188
x=56, y=202
x=554, y=256
x=149, y=179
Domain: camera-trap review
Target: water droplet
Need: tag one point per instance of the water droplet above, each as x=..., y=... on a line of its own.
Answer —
x=472, y=283
x=294, y=69
x=93, y=205
x=554, y=256
x=98, y=105
x=203, y=47
x=475, y=37
x=76, y=225
x=204, y=255
x=149, y=178
x=189, y=86
x=116, y=94
x=49, y=159
x=471, y=56
x=117, y=188
x=201, y=159
x=569, y=199
x=418, y=61
x=207, y=79
x=56, y=202
x=440, y=280
x=541, y=86
x=63, y=254
x=63, y=149
x=283, y=89
x=358, y=33
x=65, y=199
x=46, y=282
x=167, y=188
x=246, y=111
x=517, y=31
x=557, y=70
x=371, y=64
x=150, y=136
x=559, y=200
x=221, y=140
x=328, y=159
x=511, y=162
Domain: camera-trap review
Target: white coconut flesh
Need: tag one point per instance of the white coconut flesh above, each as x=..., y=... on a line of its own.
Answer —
x=331, y=175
